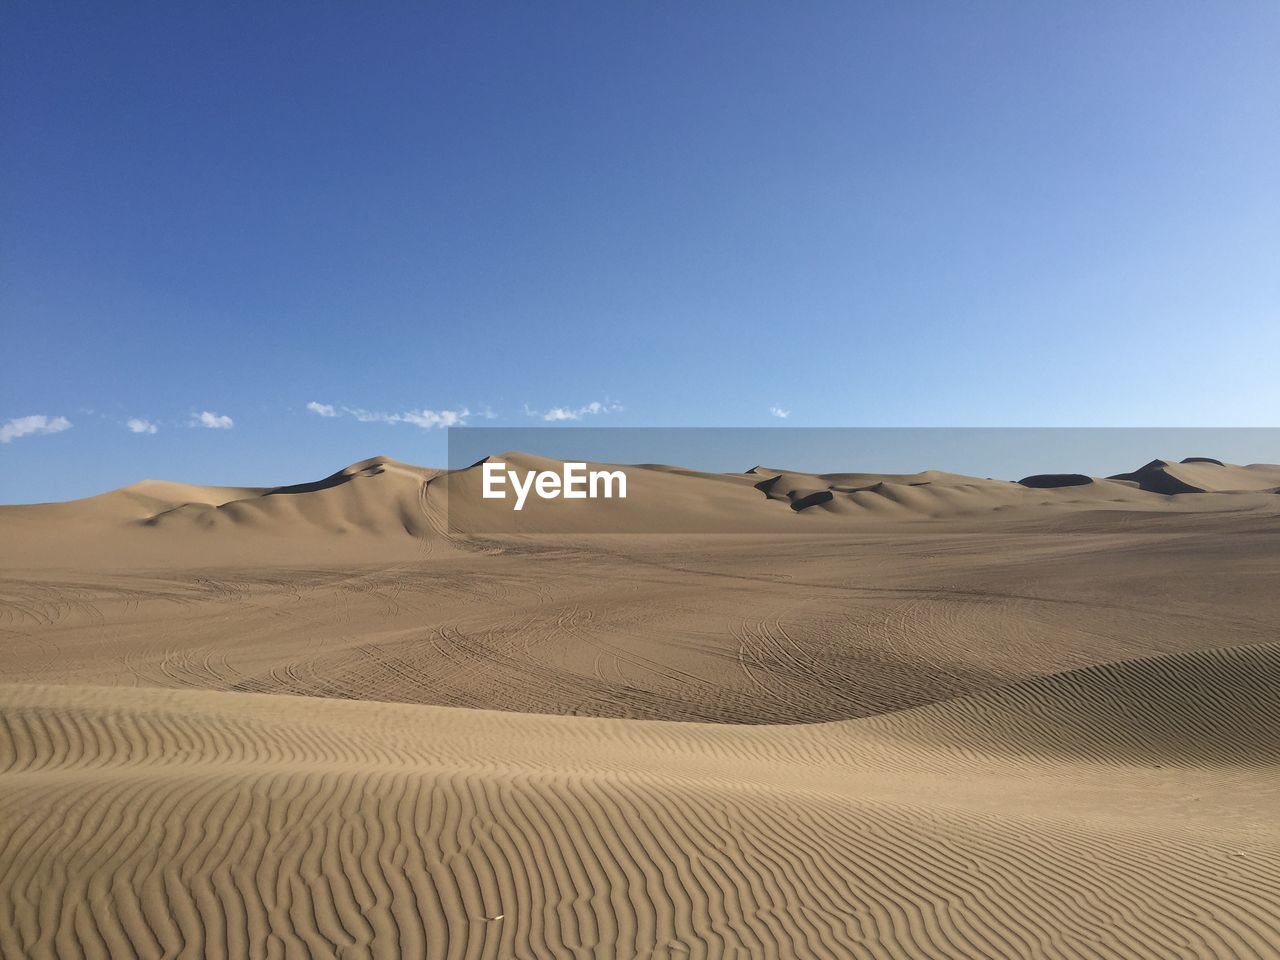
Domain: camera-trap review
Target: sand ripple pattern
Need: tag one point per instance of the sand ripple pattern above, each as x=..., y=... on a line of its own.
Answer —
x=1081, y=815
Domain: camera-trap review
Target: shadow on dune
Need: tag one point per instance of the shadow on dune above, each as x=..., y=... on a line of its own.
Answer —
x=1052, y=481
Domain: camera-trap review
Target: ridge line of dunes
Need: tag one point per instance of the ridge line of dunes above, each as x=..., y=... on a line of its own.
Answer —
x=378, y=506
x=153, y=823
x=1189, y=475
x=337, y=504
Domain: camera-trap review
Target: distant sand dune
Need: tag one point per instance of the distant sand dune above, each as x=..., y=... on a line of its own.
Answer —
x=375, y=497
x=1203, y=475
x=379, y=508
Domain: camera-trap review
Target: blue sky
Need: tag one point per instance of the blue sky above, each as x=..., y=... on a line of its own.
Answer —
x=647, y=214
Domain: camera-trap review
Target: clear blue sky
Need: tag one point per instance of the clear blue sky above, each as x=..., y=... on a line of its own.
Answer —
x=686, y=214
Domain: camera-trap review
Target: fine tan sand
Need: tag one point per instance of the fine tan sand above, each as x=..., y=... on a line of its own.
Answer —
x=908, y=716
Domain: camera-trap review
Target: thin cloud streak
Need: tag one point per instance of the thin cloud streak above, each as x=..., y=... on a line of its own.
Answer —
x=424, y=418
x=560, y=414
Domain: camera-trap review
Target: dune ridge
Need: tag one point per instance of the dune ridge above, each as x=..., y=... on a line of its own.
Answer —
x=379, y=507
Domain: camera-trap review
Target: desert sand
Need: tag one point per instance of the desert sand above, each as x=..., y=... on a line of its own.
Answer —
x=884, y=716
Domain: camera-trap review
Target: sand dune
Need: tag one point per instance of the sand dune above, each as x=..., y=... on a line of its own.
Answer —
x=374, y=497
x=242, y=825
x=894, y=716
x=1203, y=475
x=380, y=508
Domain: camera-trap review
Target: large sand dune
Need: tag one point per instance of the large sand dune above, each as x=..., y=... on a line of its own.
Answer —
x=910, y=716
x=150, y=823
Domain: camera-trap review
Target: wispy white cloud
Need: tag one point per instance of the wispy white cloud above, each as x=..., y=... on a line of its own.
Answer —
x=212, y=421
x=366, y=416
x=26, y=426
x=779, y=412
x=556, y=414
x=433, y=418
x=426, y=419
x=139, y=425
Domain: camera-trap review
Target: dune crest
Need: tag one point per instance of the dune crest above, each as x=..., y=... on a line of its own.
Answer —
x=399, y=507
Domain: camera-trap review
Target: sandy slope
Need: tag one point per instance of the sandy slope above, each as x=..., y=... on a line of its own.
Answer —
x=741, y=629
x=165, y=791
x=149, y=823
